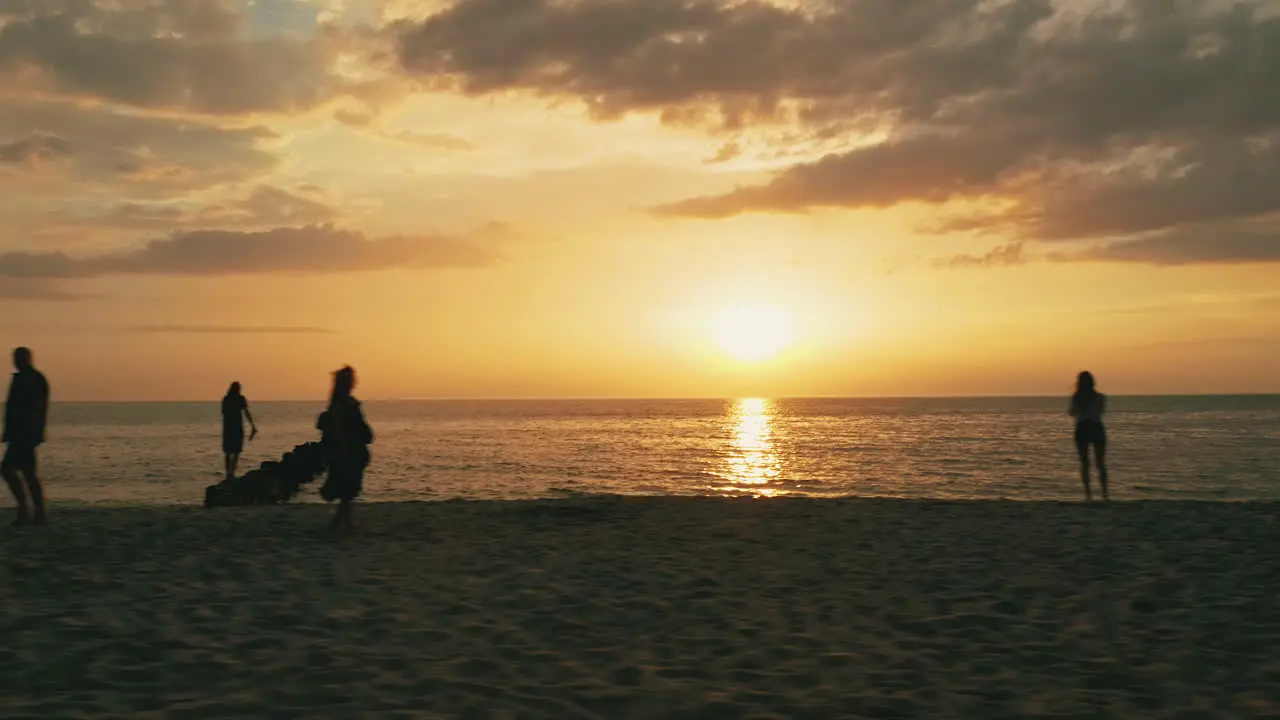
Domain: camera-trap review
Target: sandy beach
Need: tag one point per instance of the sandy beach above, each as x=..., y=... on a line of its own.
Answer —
x=646, y=608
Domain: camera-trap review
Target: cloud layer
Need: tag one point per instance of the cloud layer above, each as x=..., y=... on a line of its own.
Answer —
x=1096, y=121
x=1125, y=131
x=173, y=118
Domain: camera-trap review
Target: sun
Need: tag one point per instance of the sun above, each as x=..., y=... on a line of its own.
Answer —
x=753, y=333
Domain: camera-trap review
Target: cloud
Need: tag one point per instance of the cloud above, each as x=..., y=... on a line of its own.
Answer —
x=727, y=152
x=1208, y=244
x=140, y=155
x=369, y=122
x=1186, y=246
x=265, y=206
x=742, y=58
x=35, y=149
x=1222, y=179
x=1003, y=256
x=433, y=141
x=1080, y=120
x=231, y=330
x=299, y=250
x=202, y=56
x=928, y=168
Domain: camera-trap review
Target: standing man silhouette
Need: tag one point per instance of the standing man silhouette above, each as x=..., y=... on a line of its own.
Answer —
x=25, y=414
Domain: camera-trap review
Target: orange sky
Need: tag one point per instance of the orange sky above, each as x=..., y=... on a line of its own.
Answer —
x=550, y=199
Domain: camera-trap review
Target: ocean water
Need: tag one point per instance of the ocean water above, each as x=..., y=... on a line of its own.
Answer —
x=1212, y=448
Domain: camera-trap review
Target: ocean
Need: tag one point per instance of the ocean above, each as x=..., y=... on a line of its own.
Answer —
x=1202, y=447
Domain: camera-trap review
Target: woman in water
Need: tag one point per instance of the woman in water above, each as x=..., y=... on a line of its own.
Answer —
x=234, y=406
x=1087, y=407
x=347, y=437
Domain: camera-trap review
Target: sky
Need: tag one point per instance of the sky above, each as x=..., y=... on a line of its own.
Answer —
x=641, y=198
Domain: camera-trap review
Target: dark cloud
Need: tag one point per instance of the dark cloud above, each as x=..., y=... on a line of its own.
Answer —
x=928, y=168
x=231, y=330
x=1186, y=246
x=140, y=155
x=1213, y=180
x=1081, y=120
x=35, y=149
x=1207, y=244
x=193, y=55
x=743, y=58
x=300, y=250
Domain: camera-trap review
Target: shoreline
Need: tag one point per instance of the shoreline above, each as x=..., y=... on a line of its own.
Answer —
x=640, y=607
x=305, y=500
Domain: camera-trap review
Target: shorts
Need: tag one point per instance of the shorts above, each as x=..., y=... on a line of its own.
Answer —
x=1090, y=433
x=19, y=456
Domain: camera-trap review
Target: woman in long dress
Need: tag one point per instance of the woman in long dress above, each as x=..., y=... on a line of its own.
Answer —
x=346, y=437
x=234, y=406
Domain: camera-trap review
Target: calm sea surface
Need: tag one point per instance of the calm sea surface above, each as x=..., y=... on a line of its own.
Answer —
x=1213, y=448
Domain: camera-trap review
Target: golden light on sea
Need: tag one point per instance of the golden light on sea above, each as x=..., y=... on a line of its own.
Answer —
x=752, y=461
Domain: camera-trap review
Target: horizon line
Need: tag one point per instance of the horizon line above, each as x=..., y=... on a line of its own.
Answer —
x=707, y=398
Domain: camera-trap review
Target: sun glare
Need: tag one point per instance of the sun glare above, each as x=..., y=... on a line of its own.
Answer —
x=753, y=333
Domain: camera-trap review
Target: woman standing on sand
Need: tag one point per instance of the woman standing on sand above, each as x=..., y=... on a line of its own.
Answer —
x=1087, y=407
x=346, y=437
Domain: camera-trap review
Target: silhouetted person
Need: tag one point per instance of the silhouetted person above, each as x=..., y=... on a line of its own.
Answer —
x=234, y=405
x=1087, y=407
x=25, y=414
x=346, y=437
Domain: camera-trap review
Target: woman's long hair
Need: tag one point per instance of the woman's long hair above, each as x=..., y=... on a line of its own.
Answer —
x=1086, y=388
x=234, y=389
x=344, y=381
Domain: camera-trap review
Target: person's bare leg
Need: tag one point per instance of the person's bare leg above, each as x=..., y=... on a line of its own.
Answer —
x=342, y=518
x=37, y=497
x=19, y=497
x=339, y=517
x=1083, y=449
x=1101, y=456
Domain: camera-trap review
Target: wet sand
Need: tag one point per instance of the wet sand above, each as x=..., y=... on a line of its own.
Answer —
x=646, y=608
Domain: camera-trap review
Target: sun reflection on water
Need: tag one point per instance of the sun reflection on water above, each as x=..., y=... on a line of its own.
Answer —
x=753, y=463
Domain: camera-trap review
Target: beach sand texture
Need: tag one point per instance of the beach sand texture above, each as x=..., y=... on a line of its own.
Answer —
x=646, y=608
